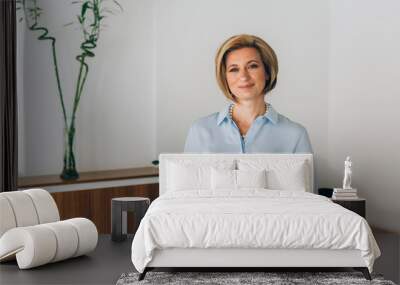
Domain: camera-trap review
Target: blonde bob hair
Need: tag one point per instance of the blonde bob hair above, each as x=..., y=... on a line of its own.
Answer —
x=267, y=55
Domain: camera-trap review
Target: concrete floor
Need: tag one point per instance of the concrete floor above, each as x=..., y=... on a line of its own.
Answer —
x=111, y=259
x=388, y=263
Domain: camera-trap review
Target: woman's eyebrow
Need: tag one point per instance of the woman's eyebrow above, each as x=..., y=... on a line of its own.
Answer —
x=232, y=64
x=252, y=60
x=255, y=60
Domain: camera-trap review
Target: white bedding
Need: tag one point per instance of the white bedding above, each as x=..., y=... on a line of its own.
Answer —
x=251, y=218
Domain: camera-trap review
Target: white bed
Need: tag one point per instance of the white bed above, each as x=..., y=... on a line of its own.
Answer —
x=214, y=211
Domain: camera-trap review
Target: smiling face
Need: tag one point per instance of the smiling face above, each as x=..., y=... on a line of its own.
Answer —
x=245, y=73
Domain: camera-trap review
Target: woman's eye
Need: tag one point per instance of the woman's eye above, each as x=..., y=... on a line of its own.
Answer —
x=233, y=70
x=253, y=66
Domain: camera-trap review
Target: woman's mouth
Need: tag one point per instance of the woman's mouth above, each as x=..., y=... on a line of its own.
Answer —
x=246, y=86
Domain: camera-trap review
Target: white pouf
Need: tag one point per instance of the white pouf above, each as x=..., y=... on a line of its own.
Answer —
x=31, y=232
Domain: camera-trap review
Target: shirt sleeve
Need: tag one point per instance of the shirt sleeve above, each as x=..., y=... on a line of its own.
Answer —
x=304, y=144
x=192, y=140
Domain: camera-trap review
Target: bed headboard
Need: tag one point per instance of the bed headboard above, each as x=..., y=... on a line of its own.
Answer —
x=210, y=158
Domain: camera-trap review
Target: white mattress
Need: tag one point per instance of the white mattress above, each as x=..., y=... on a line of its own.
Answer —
x=252, y=218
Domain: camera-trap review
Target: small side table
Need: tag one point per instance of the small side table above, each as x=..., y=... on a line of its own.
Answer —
x=119, y=208
x=355, y=205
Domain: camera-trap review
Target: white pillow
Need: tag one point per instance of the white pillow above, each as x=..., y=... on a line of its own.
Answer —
x=288, y=179
x=223, y=179
x=185, y=175
x=281, y=175
x=251, y=178
x=237, y=179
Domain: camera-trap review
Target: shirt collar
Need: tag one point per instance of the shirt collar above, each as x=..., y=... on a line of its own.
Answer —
x=271, y=115
x=223, y=114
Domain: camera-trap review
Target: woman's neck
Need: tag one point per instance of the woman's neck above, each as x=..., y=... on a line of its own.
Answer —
x=248, y=111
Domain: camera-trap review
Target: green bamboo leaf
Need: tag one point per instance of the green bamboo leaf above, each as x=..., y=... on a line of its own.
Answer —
x=85, y=6
x=20, y=20
x=91, y=19
x=119, y=5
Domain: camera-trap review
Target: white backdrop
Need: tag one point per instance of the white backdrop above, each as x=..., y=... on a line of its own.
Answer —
x=153, y=75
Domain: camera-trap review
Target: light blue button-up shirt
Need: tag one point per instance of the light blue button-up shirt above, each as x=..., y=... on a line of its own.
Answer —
x=269, y=133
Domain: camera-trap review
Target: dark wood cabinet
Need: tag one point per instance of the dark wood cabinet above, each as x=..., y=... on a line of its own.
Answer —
x=95, y=204
x=357, y=205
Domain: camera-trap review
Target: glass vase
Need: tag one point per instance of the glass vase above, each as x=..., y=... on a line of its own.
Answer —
x=69, y=169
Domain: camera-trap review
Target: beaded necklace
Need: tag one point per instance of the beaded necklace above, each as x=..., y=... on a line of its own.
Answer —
x=231, y=114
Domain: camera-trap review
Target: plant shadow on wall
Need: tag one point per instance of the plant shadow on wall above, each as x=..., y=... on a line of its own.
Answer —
x=90, y=19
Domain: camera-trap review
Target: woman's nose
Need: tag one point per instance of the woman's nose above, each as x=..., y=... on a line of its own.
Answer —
x=244, y=75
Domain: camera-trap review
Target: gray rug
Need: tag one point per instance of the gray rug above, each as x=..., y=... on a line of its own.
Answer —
x=229, y=278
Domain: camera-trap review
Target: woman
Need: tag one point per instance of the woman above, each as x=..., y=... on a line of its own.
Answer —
x=246, y=70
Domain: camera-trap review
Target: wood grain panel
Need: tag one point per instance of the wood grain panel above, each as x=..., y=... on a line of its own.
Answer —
x=73, y=204
x=95, y=204
x=91, y=176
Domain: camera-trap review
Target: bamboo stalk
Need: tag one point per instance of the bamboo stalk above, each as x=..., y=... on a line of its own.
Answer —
x=90, y=20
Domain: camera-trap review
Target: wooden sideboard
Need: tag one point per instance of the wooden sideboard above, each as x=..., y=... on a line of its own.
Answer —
x=95, y=204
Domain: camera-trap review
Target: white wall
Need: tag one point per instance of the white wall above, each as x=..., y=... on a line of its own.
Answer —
x=363, y=102
x=188, y=36
x=115, y=120
x=154, y=75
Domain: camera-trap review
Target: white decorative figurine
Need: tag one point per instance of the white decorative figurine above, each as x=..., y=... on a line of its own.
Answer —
x=347, y=174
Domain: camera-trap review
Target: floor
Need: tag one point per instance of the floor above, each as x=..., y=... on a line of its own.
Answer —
x=111, y=259
x=103, y=266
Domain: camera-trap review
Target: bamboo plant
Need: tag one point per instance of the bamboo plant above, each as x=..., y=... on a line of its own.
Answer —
x=90, y=19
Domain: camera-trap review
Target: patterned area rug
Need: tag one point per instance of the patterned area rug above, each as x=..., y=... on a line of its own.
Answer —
x=229, y=278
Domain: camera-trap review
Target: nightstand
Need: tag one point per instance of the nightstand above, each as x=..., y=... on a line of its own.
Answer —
x=119, y=207
x=355, y=205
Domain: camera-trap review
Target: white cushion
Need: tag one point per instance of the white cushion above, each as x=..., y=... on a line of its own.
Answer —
x=186, y=175
x=34, y=244
x=23, y=208
x=251, y=178
x=236, y=179
x=67, y=240
x=40, y=244
x=26, y=208
x=45, y=205
x=87, y=233
x=223, y=179
x=273, y=163
x=281, y=175
x=7, y=218
x=293, y=178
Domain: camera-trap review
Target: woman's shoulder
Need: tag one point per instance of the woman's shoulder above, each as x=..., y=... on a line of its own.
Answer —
x=206, y=121
x=297, y=133
x=290, y=125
